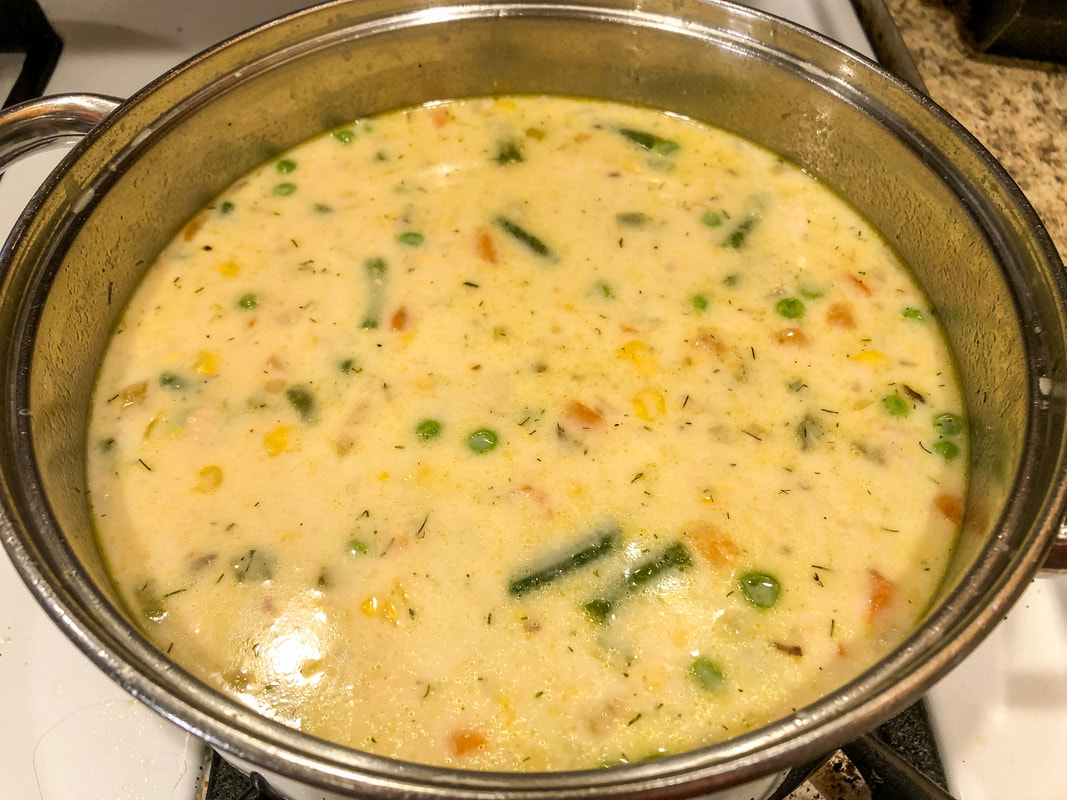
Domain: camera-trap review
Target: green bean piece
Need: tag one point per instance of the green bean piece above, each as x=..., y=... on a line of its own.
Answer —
x=737, y=238
x=286, y=165
x=226, y=207
x=248, y=301
x=913, y=314
x=707, y=673
x=759, y=588
x=509, y=152
x=675, y=556
x=253, y=566
x=172, y=381
x=604, y=289
x=322, y=208
x=284, y=189
x=303, y=402
x=790, y=308
x=428, y=429
x=948, y=424
x=410, y=238
x=482, y=441
x=375, y=270
x=895, y=405
x=632, y=219
x=602, y=545
x=649, y=141
x=811, y=292
x=357, y=546
x=524, y=237
x=349, y=367
x=712, y=219
x=946, y=449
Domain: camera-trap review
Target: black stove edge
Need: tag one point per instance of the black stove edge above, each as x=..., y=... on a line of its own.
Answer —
x=25, y=29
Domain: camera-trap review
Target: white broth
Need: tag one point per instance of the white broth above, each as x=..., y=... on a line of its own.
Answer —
x=527, y=434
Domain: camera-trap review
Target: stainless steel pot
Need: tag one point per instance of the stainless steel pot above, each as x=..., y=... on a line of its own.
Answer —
x=973, y=241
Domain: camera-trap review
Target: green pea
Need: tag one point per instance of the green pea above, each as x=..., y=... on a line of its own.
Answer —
x=284, y=189
x=226, y=207
x=948, y=424
x=699, y=301
x=345, y=136
x=706, y=673
x=248, y=301
x=172, y=380
x=712, y=219
x=946, y=449
x=759, y=588
x=410, y=238
x=428, y=429
x=790, y=308
x=912, y=313
x=895, y=405
x=286, y=165
x=482, y=441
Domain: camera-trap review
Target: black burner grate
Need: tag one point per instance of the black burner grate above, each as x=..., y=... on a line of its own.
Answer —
x=24, y=29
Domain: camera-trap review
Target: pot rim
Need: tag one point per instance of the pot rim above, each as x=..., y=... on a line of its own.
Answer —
x=52, y=572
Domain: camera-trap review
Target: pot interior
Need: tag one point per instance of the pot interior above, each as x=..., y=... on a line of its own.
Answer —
x=970, y=239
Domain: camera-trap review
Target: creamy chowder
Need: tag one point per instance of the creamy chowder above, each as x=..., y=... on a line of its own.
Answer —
x=527, y=434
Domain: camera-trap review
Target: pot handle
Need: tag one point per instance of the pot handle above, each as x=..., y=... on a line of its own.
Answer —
x=50, y=121
x=1056, y=562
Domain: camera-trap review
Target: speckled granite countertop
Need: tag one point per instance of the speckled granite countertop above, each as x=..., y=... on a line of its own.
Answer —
x=1016, y=108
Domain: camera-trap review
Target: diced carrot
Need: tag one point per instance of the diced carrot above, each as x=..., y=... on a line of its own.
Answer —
x=486, y=248
x=467, y=741
x=950, y=506
x=705, y=339
x=840, y=315
x=859, y=284
x=715, y=547
x=582, y=413
x=193, y=226
x=790, y=336
x=399, y=321
x=440, y=117
x=880, y=594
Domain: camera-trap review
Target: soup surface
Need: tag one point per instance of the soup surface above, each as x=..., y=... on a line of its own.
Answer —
x=527, y=434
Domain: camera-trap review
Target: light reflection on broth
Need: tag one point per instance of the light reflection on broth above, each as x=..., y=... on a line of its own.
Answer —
x=527, y=434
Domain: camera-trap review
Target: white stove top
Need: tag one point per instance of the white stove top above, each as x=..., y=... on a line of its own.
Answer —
x=68, y=732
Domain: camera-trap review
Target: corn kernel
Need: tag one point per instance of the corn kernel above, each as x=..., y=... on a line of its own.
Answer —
x=870, y=357
x=649, y=404
x=277, y=440
x=229, y=268
x=637, y=352
x=206, y=364
x=210, y=478
x=369, y=606
x=383, y=476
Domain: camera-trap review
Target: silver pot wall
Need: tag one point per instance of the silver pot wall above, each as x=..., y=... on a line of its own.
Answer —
x=971, y=238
